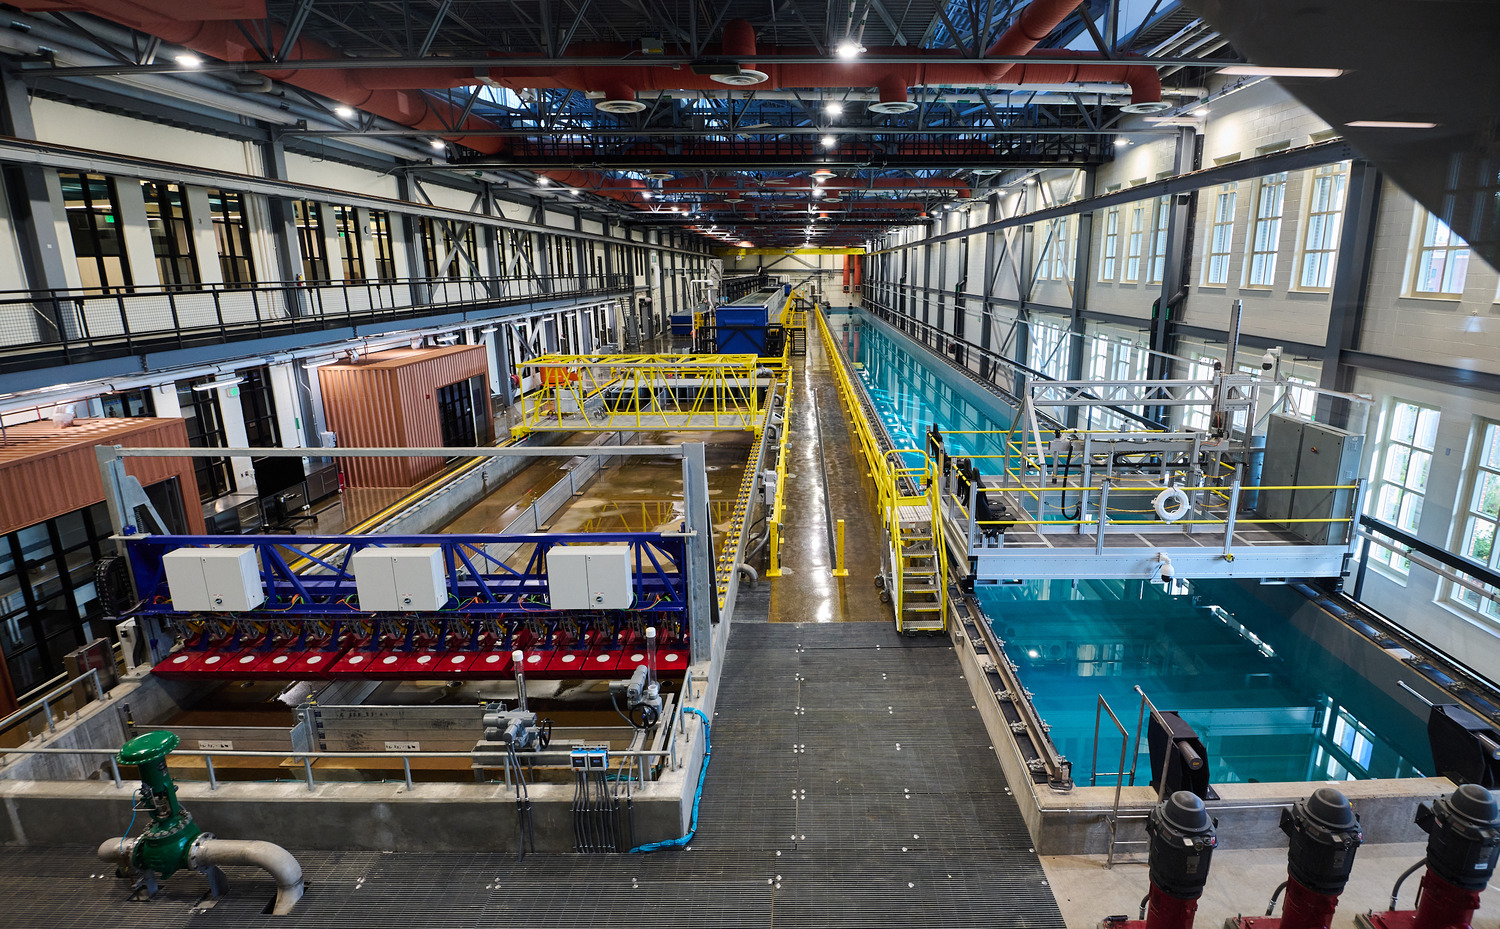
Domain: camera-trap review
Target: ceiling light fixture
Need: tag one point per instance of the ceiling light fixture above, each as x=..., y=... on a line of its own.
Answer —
x=1389, y=124
x=829, y=141
x=834, y=108
x=343, y=112
x=215, y=385
x=1259, y=71
x=188, y=60
x=543, y=181
x=1121, y=142
x=645, y=195
x=849, y=50
x=439, y=144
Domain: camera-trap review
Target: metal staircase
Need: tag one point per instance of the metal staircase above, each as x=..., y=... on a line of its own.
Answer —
x=919, y=575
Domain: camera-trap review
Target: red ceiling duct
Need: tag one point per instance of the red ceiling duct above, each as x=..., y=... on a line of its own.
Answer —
x=213, y=31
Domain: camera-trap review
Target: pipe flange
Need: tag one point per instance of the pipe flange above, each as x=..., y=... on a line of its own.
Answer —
x=196, y=848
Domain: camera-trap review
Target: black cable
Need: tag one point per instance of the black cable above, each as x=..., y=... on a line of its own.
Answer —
x=1396, y=891
x=1271, y=907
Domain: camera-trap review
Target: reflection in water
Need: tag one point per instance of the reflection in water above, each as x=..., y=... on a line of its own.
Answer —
x=1269, y=703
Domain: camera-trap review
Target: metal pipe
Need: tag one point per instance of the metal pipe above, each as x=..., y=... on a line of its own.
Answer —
x=277, y=861
x=518, y=660
x=748, y=572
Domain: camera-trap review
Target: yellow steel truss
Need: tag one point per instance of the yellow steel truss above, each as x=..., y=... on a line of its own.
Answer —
x=578, y=393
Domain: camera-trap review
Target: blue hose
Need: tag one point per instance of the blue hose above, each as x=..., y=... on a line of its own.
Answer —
x=697, y=795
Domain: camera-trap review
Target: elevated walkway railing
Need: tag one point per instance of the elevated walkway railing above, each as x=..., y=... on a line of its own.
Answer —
x=67, y=326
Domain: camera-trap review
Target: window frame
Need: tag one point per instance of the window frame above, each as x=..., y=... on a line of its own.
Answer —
x=1161, y=220
x=172, y=241
x=1134, y=244
x=1255, y=279
x=351, y=247
x=1109, y=249
x=1388, y=562
x=1326, y=223
x=1478, y=463
x=307, y=216
x=1419, y=249
x=232, y=231
x=1217, y=249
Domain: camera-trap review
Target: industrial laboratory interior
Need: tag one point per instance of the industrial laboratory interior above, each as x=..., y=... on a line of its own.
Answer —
x=556, y=463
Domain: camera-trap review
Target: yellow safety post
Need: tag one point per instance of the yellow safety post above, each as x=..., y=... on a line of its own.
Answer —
x=773, y=556
x=838, y=565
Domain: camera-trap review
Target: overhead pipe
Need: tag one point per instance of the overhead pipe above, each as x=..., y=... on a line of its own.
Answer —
x=223, y=39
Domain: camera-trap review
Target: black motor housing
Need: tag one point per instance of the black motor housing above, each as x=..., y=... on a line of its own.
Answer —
x=1182, y=845
x=1324, y=835
x=1463, y=836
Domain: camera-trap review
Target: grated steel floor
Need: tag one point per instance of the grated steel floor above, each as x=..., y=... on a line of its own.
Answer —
x=849, y=786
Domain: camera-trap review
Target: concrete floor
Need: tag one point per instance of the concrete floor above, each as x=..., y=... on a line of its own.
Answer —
x=1239, y=883
x=807, y=590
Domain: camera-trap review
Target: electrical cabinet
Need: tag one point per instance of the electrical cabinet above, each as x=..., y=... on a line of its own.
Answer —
x=214, y=579
x=589, y=577
x=1312, y=457
x=399, y=580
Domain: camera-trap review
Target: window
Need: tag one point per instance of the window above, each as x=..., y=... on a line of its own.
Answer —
x=205, y=429
x=380, y=240
x=1049, y=349
x=171, y=234
x=1442, y=259
x=94, y=220
x=1482, y=516
x=1220, y=237
x=259, y=409
x=1325, y=216
x=440, y=257
x=351, y=250
x=1265, y=232
x=1408, y=435
x=129, y=404
x=1060, y=269
x=1133, y=244
x=309, y=219
x=47, y=597
x=1159, y=239
x=1111, y=244
x=232, y=234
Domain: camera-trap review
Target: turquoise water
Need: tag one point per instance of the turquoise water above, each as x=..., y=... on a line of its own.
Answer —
x=911, y=396
x=1269, y=703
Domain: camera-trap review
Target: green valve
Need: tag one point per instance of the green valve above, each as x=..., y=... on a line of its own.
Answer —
x=163, y=847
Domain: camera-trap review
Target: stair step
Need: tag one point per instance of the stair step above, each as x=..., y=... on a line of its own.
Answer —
x=923, y=608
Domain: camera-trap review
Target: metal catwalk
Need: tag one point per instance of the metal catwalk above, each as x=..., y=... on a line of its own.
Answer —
x=850, y=785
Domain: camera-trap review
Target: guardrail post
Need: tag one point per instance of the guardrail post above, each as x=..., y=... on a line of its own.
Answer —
x=1103, y=517
x=307, y=765
x=213, y=781
x=406, y=765
x=114, y=769
x=839, y=570
x=1234, y=507
x=47, y=709
x=773, y=545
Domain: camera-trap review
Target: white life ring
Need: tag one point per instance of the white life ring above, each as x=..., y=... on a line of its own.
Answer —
x=1171, y=504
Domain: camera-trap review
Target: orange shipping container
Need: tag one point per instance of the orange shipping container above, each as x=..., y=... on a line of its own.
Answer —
x=389, y=399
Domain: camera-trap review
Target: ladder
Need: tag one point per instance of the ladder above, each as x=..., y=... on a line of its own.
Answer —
x=918, y=570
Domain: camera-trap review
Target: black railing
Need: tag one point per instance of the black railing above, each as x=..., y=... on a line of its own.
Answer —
x=40, y=328
x=1481, y=573
x=733, y=288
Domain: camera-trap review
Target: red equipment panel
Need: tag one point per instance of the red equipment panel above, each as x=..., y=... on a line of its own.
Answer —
x=313, y=664
x=485, y=666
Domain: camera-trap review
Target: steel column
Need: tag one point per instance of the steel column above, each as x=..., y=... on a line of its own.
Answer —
x=702, y=589
x=1351, y=280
